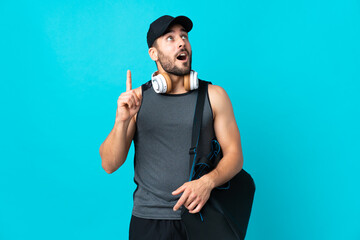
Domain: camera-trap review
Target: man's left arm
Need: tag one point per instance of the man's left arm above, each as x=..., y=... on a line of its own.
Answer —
x=197, y=192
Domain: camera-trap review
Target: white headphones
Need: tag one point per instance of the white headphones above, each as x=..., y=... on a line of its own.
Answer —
x=162, y=83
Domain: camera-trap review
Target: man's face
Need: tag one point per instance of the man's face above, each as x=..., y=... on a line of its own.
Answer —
x=174, y=51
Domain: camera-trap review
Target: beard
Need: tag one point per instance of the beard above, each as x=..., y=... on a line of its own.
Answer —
x=169, y=66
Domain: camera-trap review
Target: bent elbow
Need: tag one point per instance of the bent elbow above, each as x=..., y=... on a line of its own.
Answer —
x=107, y=169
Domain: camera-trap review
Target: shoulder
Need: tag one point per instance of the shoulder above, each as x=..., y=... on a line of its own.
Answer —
x=218, y=98
x=216, y=90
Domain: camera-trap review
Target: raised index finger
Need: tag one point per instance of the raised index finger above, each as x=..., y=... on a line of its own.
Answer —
x=128, y=80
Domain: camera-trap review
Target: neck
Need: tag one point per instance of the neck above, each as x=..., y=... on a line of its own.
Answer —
x=177, y=84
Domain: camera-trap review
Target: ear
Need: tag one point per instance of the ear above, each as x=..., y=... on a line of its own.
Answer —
x=153, y=54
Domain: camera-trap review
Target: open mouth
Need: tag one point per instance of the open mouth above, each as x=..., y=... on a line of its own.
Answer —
x=182, y=57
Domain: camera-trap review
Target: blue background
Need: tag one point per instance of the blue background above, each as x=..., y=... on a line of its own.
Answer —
x=291, y=69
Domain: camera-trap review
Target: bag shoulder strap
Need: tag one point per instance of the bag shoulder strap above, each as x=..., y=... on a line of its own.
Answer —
x=199, y=109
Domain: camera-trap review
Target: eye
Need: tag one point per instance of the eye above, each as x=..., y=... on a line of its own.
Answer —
x=184, y=37
x=169, y=37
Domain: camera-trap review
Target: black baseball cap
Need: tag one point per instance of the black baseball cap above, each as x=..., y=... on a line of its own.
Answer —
x=159, y=26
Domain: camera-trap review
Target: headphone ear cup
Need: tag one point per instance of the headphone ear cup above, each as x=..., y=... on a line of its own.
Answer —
x=194, y=81
x=191, y=81
x=158, y=83
x=187, y=82
x=161, y=83
x=168, y=82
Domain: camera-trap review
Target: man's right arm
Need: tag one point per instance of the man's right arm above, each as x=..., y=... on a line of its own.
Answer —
x=114, y=149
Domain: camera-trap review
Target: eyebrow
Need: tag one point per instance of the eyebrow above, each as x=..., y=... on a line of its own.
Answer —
x=168, y=31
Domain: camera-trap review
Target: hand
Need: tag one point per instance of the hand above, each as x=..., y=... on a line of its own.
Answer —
x=195, y=195
x=129, y=102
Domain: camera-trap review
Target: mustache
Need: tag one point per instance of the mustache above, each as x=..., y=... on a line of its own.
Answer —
x=182, y=50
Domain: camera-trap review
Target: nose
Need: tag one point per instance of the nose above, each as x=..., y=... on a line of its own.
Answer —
x=181, y=43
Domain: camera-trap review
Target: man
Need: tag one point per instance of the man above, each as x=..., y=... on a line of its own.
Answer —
x=161, y=127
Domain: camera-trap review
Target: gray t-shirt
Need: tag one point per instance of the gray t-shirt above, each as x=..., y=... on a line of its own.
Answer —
x=162, y=141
